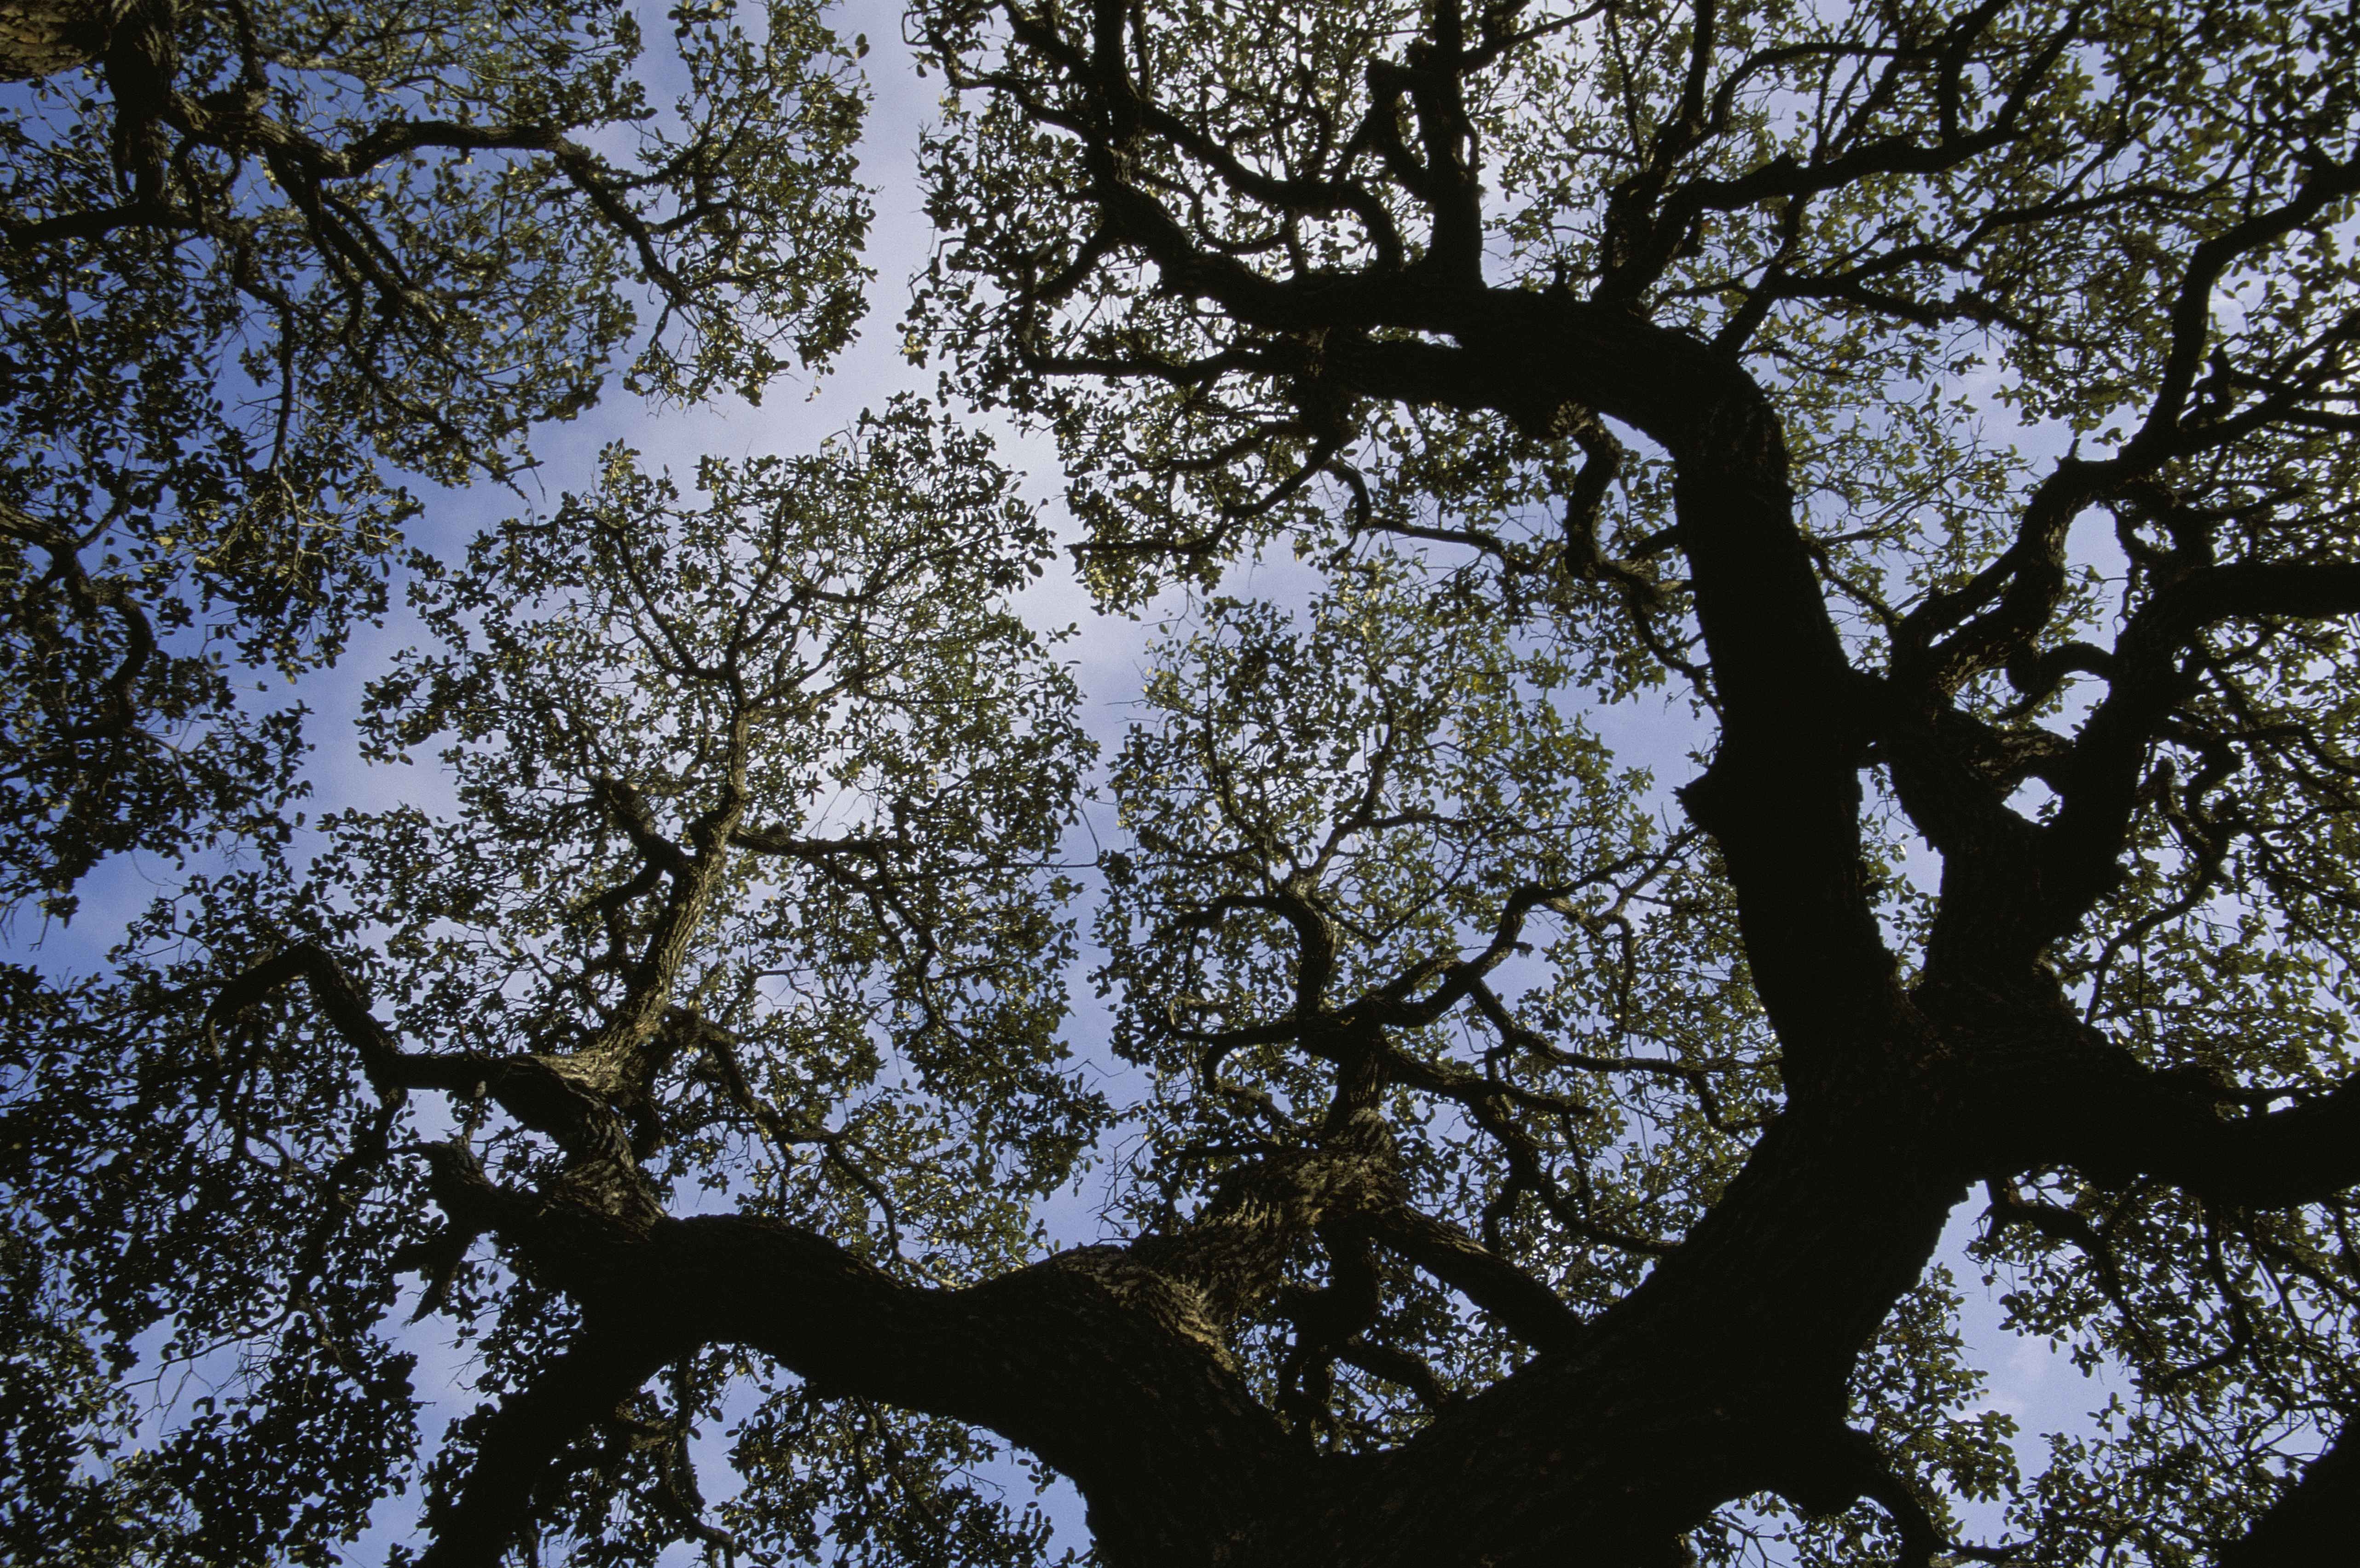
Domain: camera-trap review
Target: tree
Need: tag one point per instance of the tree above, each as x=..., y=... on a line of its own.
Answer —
x=751, y=803
x=1689, y=324
x=1511, y=1176
x=265, y=265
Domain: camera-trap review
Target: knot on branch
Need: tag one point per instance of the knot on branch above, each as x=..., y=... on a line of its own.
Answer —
x=586, y=1232
x=1176, y=1306
x=1236, y=1251
x=1193, y=1282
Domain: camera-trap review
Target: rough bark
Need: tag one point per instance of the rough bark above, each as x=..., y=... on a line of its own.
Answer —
x=40, y=39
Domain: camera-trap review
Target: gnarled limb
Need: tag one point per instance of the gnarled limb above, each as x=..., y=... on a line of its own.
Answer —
x=1102, y=1361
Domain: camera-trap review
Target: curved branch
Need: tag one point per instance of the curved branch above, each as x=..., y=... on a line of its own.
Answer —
x=540, y=1091
x=390, y=1069
x=2097, y=781
x=520, y=1446
x=1525, y=1307
x=1099, y=1360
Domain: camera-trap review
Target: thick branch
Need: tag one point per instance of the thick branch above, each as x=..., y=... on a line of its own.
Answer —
x=1525, y=1307
x=518, y=1448
x=2116, y=1119
x=538, y=1090
x=1088, y=1359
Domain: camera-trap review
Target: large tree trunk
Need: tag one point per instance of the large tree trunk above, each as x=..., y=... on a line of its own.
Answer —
x=1724, y=1374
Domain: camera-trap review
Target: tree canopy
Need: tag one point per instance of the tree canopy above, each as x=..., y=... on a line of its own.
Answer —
x=1509, y=1146
x=266, y=267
